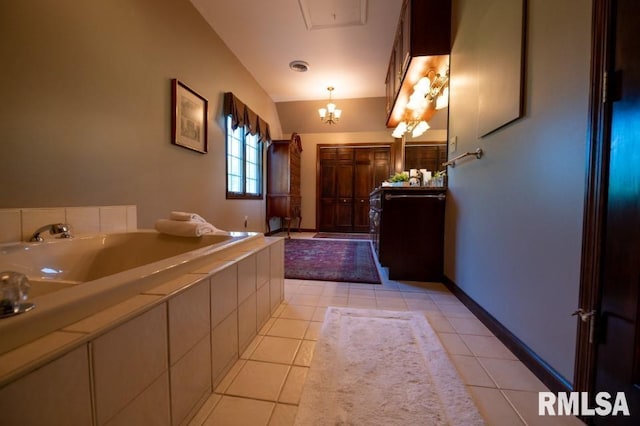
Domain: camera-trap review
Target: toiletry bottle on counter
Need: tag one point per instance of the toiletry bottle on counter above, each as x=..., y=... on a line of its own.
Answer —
x=426, y=177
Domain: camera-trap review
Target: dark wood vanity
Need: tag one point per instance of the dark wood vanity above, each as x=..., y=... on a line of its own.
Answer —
x=407, y=230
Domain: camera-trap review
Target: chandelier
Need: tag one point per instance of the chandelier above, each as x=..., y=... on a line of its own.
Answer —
x=432, y=89
x=330, y=114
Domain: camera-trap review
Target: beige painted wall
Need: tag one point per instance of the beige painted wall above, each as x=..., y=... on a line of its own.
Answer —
x=514, y=218
x=86, y=108
x=358, y=115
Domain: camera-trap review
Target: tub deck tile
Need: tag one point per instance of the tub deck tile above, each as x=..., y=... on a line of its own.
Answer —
x=113, y=315
x=31, y=355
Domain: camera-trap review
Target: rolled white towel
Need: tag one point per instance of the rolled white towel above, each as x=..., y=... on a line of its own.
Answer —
x=186, y=217
x=183, y=228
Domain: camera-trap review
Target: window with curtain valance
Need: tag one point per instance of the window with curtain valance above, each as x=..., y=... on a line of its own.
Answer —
x=243, y=116
x=246, y=133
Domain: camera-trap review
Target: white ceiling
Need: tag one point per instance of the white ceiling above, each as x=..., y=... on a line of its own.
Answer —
x=266, y=35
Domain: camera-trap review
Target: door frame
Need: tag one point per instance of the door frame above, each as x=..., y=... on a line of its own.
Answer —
x=598, y=135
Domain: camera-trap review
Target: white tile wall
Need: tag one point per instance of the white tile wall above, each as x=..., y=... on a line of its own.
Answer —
x=189, y=320
x=224, y=294
x=127, y=359
x=59, y=390
x=247, y=329
x=190, y=381
x=246, y=278
x=10, y=229
x=224, y=347
x=113, y=219
x=19, y=224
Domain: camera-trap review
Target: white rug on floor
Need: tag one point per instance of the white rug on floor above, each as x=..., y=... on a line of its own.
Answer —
x=373, y=367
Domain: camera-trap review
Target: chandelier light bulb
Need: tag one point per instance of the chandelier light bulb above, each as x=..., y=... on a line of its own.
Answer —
x=420, y=128
x=443, y=100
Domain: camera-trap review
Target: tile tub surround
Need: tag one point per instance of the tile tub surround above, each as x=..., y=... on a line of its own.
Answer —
x=100, y=270
x=168, y=346
x=19, y=224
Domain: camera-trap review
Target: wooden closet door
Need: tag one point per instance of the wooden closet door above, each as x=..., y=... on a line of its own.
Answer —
x=344, y=190
x=347, y=176
x=363, y=185
x=327, y=188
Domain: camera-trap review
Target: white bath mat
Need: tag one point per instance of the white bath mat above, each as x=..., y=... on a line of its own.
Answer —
x=373, y=367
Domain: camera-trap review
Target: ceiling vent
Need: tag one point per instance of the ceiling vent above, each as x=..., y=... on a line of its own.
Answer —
x=319, y=14
x=299, y=66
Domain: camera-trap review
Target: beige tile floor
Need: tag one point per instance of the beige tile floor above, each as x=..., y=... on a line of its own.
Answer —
x=265, y=384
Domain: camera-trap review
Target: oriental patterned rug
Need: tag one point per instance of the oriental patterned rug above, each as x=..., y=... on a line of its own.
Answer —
x=330, y=260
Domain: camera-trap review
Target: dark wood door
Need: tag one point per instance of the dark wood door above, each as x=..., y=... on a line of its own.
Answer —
x=347, y=175
x=363, y=185
x=327, y=190
x=344, y=196
x=618, y=350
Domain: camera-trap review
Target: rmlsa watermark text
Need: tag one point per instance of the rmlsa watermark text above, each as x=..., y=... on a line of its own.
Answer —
x=577, y=404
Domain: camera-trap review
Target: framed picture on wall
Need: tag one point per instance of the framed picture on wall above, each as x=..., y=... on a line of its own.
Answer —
x=189, y=117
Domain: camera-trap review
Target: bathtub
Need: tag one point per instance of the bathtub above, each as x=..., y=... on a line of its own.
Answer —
x=71, y=279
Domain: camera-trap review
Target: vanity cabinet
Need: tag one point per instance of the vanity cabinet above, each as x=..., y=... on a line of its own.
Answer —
x=407, y=230
x=422, y=42
x=283, y=181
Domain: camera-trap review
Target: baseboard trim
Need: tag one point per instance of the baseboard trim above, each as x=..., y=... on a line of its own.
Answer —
x=547, y=374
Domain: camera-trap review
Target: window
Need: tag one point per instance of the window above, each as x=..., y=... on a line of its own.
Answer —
x=244, y=163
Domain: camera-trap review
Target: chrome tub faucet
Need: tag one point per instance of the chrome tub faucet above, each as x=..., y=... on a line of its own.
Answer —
x=54, y=229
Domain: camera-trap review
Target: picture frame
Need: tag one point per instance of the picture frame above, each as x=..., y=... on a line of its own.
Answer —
x=190, y=113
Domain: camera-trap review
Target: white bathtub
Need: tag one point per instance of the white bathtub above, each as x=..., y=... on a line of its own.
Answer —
x=74, y=278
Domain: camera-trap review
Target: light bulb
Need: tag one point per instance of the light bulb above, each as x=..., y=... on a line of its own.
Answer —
x=420, y=128
x=400, y=129
x=443, y=99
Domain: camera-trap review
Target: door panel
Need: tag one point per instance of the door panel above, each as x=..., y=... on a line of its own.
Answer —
x=344, y=195
x=363, y=185
x=618, y=351
x=344, y=180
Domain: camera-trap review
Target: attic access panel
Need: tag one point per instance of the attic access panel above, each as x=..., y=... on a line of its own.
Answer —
x=319, y=14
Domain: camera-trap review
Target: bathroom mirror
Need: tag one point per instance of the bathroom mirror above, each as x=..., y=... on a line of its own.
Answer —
x=425, y=155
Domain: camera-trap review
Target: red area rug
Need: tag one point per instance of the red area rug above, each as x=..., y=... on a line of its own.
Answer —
x=330, y=260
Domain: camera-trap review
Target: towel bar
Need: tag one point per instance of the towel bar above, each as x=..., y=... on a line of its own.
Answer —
x=478, y=154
